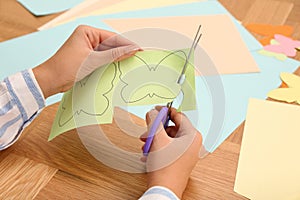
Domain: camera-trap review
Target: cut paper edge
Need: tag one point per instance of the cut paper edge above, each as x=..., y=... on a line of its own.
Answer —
x=291, y=92
x=285, y=95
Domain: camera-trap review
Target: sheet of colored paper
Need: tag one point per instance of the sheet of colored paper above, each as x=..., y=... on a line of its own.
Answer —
x=268, y=165
x=269, y=31
x=96, y=8
x=222, y=100
x=278, y=56
x=149, y=77
x=233, y=60
x=285, y=45
x=189, y=9
x=139, y=5
x=81, y=9
x=46, y=7
x=290, y=94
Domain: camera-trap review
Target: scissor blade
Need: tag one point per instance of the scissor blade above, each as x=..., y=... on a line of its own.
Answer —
x=193, y=47
x=182, y=75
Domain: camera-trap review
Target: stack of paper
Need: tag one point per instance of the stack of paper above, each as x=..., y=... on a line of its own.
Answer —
x=47, y=7
x=100, y=7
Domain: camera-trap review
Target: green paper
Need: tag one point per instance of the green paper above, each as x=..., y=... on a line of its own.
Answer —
x=278, y=56
x=149, y=77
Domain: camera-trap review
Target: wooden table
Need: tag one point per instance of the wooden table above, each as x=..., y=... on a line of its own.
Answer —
x=63, y=169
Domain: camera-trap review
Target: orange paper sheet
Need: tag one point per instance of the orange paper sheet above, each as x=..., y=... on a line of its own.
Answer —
x=221, y=39
x=269, y=31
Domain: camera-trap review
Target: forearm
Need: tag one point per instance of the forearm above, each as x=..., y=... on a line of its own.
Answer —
x=20, y=101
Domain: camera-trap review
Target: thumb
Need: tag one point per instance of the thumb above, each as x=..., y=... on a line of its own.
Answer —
x=161, y=138
x=150, y=116
x=118, y=53
x=97, y=59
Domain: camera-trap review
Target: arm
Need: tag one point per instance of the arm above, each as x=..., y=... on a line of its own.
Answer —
x=173, y=155
x=23, y=95
x=20, y=100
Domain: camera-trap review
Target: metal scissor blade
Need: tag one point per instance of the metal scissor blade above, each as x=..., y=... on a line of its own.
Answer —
x=193, y=47
x=181, y=77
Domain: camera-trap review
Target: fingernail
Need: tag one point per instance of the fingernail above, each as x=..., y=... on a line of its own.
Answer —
x=132, y=48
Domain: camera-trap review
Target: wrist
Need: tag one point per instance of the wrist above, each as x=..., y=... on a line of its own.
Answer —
x=44, y=78
x=169, y=184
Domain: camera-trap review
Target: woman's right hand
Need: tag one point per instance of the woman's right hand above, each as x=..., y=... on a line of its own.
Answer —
x=174, y=152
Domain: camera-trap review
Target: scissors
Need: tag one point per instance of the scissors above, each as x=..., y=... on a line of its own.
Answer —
x=164, y=114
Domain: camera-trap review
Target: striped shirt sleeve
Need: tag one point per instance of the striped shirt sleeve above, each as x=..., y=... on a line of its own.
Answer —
x=159, y=193
x=21, y=99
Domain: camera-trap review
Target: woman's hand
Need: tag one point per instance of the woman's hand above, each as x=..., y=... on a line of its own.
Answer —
x=174, y=152
x=85, y=50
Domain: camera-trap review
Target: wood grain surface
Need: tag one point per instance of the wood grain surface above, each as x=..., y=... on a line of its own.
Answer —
x=64, y=169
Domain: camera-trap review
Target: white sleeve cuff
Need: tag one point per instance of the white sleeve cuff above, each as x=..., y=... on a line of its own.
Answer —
x=159, y=193
x=26, y=93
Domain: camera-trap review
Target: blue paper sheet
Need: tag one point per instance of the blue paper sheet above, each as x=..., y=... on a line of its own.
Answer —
x=234, y=100
x=46, y=7
x=31, y=50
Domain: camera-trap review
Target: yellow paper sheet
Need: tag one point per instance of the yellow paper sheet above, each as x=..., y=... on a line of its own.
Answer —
x=269, y=159
x=96, y=8
x=221, y=39
x=149, y=77
x=83, y=9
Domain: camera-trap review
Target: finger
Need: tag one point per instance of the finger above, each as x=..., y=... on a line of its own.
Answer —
x=176, y=117
x=150, y=116
x=114, y=40
x=182, y=123
x=172, y=131
x=144, y=159
x=98, y=35
x=160, y=140
x=97, y=59
x=94, y=35
x=124, y=51
x=158, y=108
x=144, y=136
x=101, y=40
x=172, y=110
x=111, y=55
x=127, y=55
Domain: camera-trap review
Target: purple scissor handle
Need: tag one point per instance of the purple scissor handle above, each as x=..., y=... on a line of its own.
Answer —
x=160, y=118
